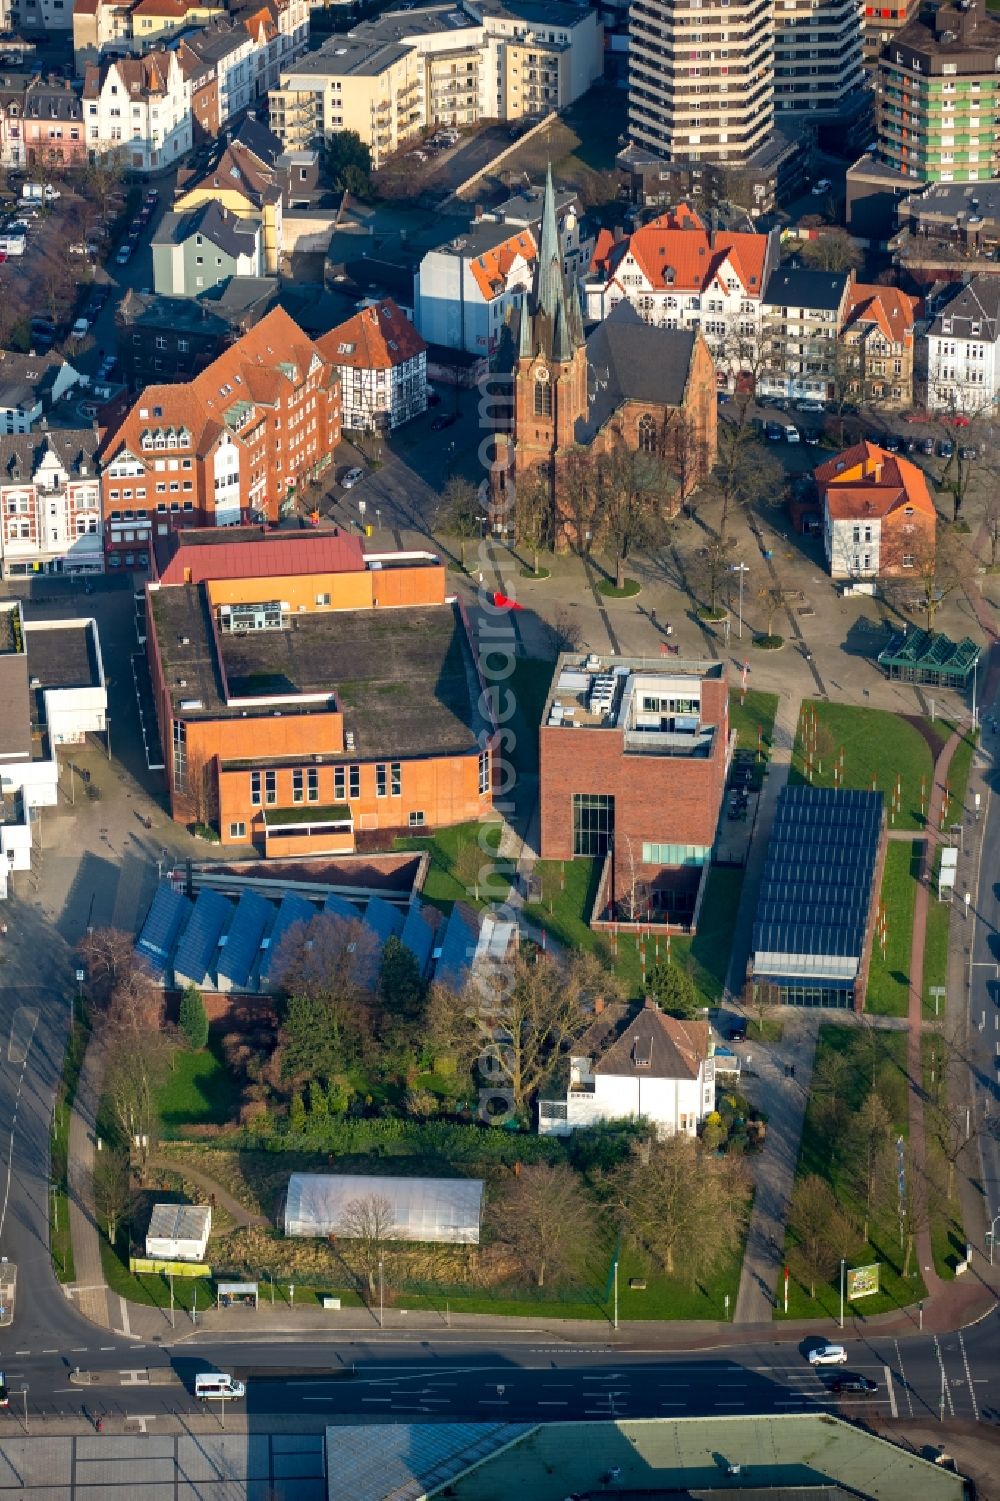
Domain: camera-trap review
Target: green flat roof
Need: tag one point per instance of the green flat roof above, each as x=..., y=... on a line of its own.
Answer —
x=660, y=1456
x=309, y=813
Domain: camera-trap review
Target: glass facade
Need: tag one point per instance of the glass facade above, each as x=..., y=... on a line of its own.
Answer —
x=593, y=822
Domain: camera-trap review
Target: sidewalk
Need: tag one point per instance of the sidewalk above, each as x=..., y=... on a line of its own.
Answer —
x=89, y=1291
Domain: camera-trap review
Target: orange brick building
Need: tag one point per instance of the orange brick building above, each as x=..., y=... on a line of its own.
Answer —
x=231, y=445
x=632, y=763
x=307, y=694
x=645, y=388
x=879, y=520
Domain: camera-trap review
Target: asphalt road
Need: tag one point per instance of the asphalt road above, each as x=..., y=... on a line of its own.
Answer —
x=518, y=1378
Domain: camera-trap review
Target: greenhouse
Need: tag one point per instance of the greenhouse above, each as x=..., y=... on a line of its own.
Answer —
x=446, y=1210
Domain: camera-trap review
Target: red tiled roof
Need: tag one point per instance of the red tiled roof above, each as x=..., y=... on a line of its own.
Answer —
x=893, y=311
x=691, y=259
x=866, y=481
x=490, y=269
x=270, y=557
x=376, y=338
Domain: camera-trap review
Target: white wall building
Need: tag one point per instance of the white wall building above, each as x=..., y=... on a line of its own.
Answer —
x=139, y=107
x=963, y=365
x=381, y=363
x=650, y=1067
x=29, y=385
x=50, y=503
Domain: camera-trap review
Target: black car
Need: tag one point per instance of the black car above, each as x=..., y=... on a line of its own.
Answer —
x=774, y=432
x=945, y=448
x=811, y=435
x=968, y=451
x=4, y=1395
x=445, y=420
x=909, y=445
x=855, y=1384
x=927, y=445
x=892, y=443
x=874, y=437
x=737, y=1033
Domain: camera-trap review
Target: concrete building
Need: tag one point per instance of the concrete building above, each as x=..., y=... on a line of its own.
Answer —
x=634, y=1063
x=52, y=693
x=692, y=98
x=30, y=386
x=879, y=519
x=249, y=178
x=878, y=341
x=676, y=273
x=166, y=339
x=392, y=77
x=306, y=693
x=381, y=363
x=197, y=250
x=139, y=107
x=882, y=24
x=632, y=767
x=803, y=314
x=819, y=76
x=963, y=350
x=231, y=444
x=952, y=217
x=774, y=171
x=229, y=49
x=50, y=501
x=939, y=96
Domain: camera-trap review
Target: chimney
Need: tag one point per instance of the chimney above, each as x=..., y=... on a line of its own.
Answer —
x=599, y=1005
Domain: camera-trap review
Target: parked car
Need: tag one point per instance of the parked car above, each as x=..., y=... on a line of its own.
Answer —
x=855, y=1384
x=352, y=478
x=4, y=1396
x=811, y=406
x=823, y=186
x=811, y=435
x=445, y=420
x=738, y=1032
x=152, y=198
x=968, y=451
x=774, y=432
x=124, y=254
x=945, y=448
x=909, y=445
x=828, y=1355
x=892, y=443
x=791, y=433
x=80, y=329
x=722, y=397
x=927, y=445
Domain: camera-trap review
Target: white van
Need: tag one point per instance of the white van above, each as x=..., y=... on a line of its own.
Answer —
x=218, y=1384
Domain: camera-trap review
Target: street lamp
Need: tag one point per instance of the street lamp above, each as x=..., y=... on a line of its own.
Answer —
x=741, y=569
x=81, y=975
x=381, y=1301
x=991, y=1235
x=843, y=1263
x=24, y=1394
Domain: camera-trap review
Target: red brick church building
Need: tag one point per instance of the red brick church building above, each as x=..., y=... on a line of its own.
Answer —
x=650, y=389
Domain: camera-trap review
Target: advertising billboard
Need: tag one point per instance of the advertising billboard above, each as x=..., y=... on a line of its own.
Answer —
x=862, y=1280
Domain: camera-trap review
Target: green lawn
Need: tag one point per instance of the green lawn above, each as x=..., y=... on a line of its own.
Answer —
x=569, y=888
x=448, y=881
x=153, y=1289
x=889, y=977
x=753, y=719
x=958, y=775
x=876, y=749
x=199, y=1090
x=879, y=1058
x=947, y=1234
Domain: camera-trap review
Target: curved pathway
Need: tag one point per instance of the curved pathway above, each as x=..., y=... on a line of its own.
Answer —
x=236, y=1211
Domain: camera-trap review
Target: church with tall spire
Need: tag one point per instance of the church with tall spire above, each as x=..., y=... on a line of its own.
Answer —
x=628, y=382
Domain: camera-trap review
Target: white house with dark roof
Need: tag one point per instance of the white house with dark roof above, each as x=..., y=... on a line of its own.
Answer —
x=635, y=1064
x=30, y=385
x=963, y=368
x=50, y=503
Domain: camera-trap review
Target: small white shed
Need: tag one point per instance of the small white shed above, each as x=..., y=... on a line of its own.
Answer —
x=179, y=1232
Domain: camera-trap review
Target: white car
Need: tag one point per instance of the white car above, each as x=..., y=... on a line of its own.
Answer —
x=352, y=478
x=80, y=329
x=809, y=404
x=791, y=434
x=828, y=1355
x=823, y=186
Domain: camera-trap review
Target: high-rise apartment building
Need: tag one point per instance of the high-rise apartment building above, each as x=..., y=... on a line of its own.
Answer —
x=939, y=96
x=882, y=22
x=710, y=79
x=701, y=78
x=818, y=61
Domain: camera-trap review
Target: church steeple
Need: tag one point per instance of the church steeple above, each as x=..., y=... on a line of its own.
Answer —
x=552, y=322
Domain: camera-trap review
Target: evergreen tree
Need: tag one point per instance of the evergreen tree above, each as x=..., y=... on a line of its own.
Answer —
x=192, y=1018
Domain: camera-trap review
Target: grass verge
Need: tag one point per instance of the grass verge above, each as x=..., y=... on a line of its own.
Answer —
x=869, y=748
x=752, y=716
x=870, y=1059
x=456, y=859
x=199, y=1089
x=889, y=976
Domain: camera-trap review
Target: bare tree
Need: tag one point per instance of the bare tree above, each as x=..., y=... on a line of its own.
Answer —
x=460, y=513
x=534, y=514
x=127, y=1000
x=772, y=596
x=136, y=1069
x=923, y=567
x=112, y=1190
x=368, y=1222
x=822, y=1231
x=710, y=568
x=635, y=493
x=684, y=1208
x=871, y=1146
x=329, y=966
x=546, y=1218
x=832, y=250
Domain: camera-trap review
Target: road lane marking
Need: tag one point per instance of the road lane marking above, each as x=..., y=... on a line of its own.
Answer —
x=553, y=1402
x=968, y=1376
x=891, y=1391
x=906, y=1384
x=30, y=1014
x=945, y=1383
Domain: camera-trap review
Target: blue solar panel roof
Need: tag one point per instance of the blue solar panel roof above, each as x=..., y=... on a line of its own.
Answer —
x=418, y=936
x=337, y=906
x=293, y=909
x=816, y=889
x=197, y=949
x=242, y=944
x=168, y=912
x=458, y=949
x=384, y=920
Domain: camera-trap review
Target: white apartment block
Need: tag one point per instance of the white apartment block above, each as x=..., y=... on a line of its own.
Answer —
x=818, y=57
x=50, y=501
x=701, y=77
x=962, y=356
x=140, y=107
